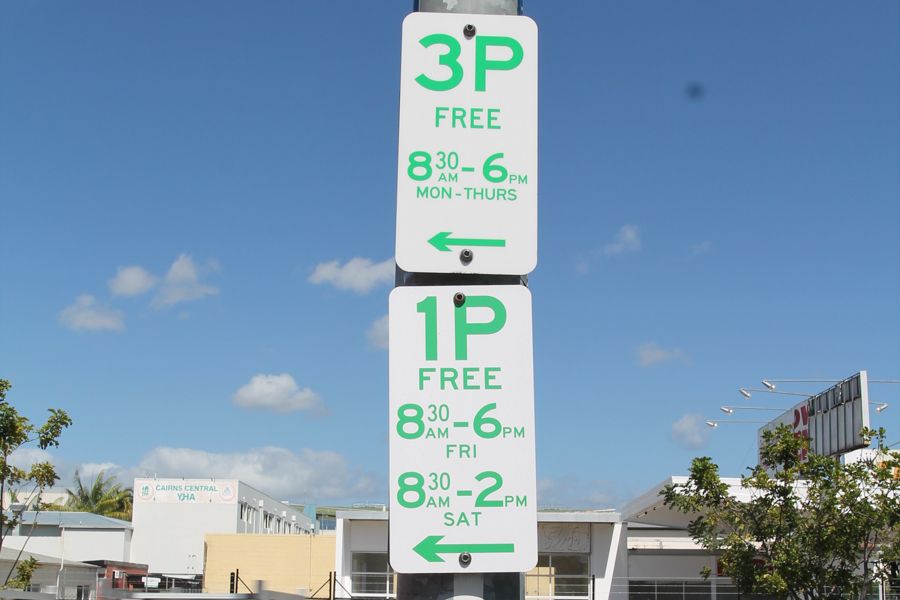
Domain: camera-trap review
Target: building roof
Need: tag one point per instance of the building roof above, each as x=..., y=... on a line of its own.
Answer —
x=11, y=554
x=118, y=563
x=650, y=508
x=578, y=516
x=73, y=520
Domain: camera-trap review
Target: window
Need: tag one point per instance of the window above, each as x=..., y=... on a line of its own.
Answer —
x=560, y=576
x=417, y=586
x=726, y=591
x=672, y=589
x=82, y=592
x=371, y=574
x=500, y=586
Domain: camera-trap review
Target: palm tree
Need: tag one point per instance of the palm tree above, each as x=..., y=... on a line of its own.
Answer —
x=105, y=496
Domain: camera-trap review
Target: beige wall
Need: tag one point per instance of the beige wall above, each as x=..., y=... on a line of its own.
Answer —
x=285, y=562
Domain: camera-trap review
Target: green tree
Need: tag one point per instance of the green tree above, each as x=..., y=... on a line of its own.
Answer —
x=105, y=496
x=24, y=572
x=812, y=529
x=16, y=432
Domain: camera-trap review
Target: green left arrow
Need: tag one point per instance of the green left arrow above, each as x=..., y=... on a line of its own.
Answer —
x=442, y=241
x=429, y=548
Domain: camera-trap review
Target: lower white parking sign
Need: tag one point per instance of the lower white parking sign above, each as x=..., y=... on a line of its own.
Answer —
x=462, y=461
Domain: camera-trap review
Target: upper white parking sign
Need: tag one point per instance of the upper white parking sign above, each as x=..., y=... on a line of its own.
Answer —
x=467, y=160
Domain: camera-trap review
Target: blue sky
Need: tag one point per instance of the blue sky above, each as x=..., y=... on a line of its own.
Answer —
x=198, y=210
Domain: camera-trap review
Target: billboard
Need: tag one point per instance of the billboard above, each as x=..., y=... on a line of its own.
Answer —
x=796, y=417
x=833, y=420
x=838, y=415
x=186, y=491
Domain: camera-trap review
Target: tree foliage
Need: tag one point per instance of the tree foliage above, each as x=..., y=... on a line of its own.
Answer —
x=24, y=572
x=18, y=432
x=812, y=529
x=105, y=496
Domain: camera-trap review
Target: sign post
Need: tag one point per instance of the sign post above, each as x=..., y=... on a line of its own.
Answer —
x=462, y=451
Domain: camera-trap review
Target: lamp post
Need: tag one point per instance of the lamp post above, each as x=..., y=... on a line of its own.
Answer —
x=879, y=406
x=770, y=383
x=748, y=392
x=729, y=410
x=715, y=424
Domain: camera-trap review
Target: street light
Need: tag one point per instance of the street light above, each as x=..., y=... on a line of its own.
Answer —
x=768, y=384
x=729, y=410
x=715, y=424
x=774, y=381
x=746, y=392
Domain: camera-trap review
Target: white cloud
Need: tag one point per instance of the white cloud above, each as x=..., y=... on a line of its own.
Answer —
x=582, y=266
x=701, y=248
x=627, y=240
x=304, y=475
x=131, y=281
x=23, y=458
x=360, y=275
x=182, y=283
x=651, y=353
x=690, y=431
x=279, y=393
x=378, y=333
x=89, y=471
x=86, y=315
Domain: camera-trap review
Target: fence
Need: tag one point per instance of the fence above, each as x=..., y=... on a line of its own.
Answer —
x=714, y=588
x=20, y=595
x=373, y=585
x=549, y=586
x=382, y=586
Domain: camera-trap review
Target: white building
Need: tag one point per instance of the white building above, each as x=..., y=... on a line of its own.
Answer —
x=71, y=580
x=642, y=553
x=579, y=556
x=172, y=516
x=73, y=536
x=663, y=560
x=31, y=500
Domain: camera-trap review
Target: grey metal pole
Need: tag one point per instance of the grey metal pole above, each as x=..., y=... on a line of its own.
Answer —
x=466, y=586
x=475, y=7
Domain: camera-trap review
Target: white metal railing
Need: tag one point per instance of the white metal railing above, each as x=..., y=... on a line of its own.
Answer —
x=713, y=588
x=373, y=585
x=665, y=588
x=10, y=594
x=549, y=586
